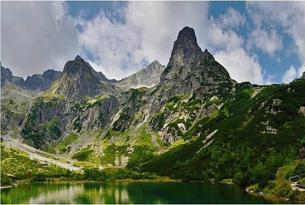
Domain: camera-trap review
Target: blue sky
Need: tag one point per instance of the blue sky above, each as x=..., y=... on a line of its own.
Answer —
x=260, y=42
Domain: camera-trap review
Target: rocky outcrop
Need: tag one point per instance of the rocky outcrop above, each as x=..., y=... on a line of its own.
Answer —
x=49, y=120
x=36, y=82
x=303, y=76
x=147, y=77
x=8, y=78
x=79, y=79
x=42, y=82
x=188, y=85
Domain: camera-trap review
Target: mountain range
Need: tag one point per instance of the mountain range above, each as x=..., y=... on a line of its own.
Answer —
x=187, y=120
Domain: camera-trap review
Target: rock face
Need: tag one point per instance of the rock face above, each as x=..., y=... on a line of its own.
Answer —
x=189, y=65
x=7, y=78
x=42, y=82
x=79, y=79
x=49, y=120
x=147, y=77
x=186, y=50
x=36, y=82
x=190, y=81
x=189, y=69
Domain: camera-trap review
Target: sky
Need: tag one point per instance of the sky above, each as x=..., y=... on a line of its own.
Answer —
x=260, y=42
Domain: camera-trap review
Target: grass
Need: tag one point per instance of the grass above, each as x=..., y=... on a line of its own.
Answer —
x=280, y=186
x=84, y=154
x=16, y=164
x=62, y=145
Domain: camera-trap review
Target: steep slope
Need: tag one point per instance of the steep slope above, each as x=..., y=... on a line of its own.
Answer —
x=8, y=78
x=147, y=77
x=78, y=101
x=256, y=131
x=79, y=79
x=189, y=68
x=15, y=102
x=41, y=82
x=192, y=77
x=36, y=82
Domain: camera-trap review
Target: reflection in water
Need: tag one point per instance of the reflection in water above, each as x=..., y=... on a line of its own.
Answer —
x=127, y=192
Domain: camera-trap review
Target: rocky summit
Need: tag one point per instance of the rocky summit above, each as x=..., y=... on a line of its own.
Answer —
x=146, y=77
x=187, y=120
x=36, y=82
x=79, y=79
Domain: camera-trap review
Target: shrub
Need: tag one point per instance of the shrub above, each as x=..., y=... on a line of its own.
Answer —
x=94, y=174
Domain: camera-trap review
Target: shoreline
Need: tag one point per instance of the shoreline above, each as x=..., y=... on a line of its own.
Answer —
x=269, y=197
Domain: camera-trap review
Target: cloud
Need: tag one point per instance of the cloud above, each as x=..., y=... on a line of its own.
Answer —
x=267, y=41
x=290, y=16
x=36, y=36
x=147, y=34
x=229, y=51
x=292, y=73
x=231, y=19
x=289, y=75
x=240, y=65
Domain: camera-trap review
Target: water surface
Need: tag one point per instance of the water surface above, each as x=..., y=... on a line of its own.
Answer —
x=127, y=192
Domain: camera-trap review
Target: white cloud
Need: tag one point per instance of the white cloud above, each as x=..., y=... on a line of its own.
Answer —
x=36, y=36
x=292, y=73
x=218, y=38
x=240, y=65
x=267, y=41
x=229, y=51
x=231, y=19
x=290, y=16
x=289, y=75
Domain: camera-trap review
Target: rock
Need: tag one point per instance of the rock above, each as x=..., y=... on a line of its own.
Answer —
x=191, y=69
x=147, y=77
x=8, y=78
x=302, y=110
x=42, y=82
x=36, y=82
x=79, y=79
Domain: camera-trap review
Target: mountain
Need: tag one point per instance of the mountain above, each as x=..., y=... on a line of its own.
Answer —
x=147, y=77
x=36, y=82
x=8, y=78
x=79, y=79
x=196, y=123
x=41, y=82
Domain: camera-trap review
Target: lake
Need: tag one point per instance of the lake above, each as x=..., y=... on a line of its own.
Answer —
x=127, y=192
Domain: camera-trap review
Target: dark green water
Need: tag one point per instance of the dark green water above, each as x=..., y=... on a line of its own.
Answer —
x=131, y=192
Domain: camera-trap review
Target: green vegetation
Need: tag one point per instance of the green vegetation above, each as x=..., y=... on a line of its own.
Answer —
x=84, y=154
x=36, y=133
x=64, y=143
x=281, y=185
x=17, y=165
x=256, y=135
x=117, y=173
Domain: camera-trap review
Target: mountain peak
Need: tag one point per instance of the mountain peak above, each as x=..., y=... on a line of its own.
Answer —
x=185, y=48
x=78, y=58
x=207, y=54
x=78, y=65
x=187, y=33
